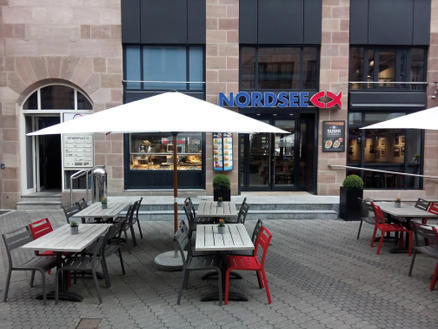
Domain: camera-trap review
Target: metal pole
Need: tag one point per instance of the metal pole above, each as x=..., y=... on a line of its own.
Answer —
x=175, y=185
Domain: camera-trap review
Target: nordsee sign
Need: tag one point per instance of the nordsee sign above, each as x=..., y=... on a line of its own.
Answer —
x=281, y=99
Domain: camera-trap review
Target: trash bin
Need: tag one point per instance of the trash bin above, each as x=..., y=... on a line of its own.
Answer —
x=98, y=184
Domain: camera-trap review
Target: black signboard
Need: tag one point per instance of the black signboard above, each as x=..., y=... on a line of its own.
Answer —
x=333, y=136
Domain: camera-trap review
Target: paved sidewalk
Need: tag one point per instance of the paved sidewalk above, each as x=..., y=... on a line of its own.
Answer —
x=319, y=275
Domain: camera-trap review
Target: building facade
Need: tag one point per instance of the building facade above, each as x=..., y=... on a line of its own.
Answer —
x=320, y=69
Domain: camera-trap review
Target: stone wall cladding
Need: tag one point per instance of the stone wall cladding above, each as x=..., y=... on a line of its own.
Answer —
x=222, y=69
x=333, y=77
x=74, y=42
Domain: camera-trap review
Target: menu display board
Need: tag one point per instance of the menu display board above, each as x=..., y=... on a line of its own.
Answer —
x=333, y=138
x=222, y=151
x=78, y=150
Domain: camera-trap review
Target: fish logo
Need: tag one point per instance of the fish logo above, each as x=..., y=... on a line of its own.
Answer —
x=335, y=99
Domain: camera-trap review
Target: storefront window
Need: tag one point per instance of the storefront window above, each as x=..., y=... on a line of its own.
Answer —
x=164, y=68
x=384, y=149
x=279, y=68
x=155, y=152
x=384, y=68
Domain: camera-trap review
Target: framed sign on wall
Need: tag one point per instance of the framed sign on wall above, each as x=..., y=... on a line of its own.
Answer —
x=333, y=136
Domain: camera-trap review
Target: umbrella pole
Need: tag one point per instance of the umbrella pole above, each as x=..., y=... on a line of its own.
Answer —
x=175, y=185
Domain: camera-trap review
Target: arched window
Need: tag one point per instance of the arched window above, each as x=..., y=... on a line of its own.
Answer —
x=57, y=97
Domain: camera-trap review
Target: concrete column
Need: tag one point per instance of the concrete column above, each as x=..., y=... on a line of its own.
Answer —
x=222, y=70
x=333, y=77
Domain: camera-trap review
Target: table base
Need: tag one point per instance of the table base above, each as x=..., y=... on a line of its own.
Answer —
x=232, y=295
x=63, y=295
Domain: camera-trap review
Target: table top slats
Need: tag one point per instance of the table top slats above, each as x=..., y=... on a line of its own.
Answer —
x=211, y=209
x=95, y=210
x=234, y=238
x=61, y=240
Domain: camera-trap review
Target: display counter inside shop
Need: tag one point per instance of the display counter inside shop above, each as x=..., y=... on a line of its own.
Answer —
x=160, y=161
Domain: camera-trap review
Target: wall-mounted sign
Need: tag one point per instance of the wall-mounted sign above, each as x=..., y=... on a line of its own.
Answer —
x=333, y=136
x=322, y=99
x=78, y=150
x=222, y=151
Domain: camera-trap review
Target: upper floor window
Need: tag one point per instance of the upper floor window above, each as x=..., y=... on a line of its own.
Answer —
x=57, y=97
x=164, y=68
x=279, y=68
x=383, y=68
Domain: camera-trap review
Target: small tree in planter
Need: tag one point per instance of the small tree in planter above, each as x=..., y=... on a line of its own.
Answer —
x=351, y=194
x=221, y=187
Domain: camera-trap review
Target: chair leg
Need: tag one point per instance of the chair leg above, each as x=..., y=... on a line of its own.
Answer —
x=266, y=286
x=227, y=284
x=360, y=227
x=121, y=262
x=260, y=279
x=8, y=281
x=219, y=285
x=96, y=283
x=139, y=228
x=435, y=274
x=374, y=236
x=134, y=241
x=178, y=301
x=105, y=272
x=58, y=273
x=412, y=262
x=410, y=234
x=32, y=278
x=43, y=281
x=186, y=279
x=380, y=243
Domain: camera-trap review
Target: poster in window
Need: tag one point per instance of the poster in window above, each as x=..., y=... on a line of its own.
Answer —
x=223, y=151
x=333, y=138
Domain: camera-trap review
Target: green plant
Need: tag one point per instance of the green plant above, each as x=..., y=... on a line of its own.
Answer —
x=73, y=224
x=353, y=181
x=221, y=181
x=221, y=222
x=219, y=199
x=398, y=200
x=104, y=200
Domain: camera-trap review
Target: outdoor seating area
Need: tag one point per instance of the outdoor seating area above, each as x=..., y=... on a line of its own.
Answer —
x=319, y=276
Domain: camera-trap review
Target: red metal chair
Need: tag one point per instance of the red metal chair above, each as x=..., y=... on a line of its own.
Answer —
x=251, y=263
x=433, y=208
x=386, y=227
x=435, y=274
x=38, y=229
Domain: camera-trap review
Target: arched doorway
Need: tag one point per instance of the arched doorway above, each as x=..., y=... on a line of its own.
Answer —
x=43, y=167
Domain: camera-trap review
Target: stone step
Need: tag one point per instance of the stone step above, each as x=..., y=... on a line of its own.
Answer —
x=22, y=205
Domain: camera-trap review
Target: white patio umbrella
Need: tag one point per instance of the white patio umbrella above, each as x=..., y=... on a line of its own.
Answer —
x=426, y=119
x=170, y=112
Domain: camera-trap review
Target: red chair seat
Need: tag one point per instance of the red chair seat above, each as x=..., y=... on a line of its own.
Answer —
x=243, y=263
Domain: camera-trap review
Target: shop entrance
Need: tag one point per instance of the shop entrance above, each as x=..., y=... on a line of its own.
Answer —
x=43, y=156
x=279, y=162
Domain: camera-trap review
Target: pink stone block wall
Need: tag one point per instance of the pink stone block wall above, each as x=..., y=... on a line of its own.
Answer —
x=73, y=42
x=333, y=77
x=222, y=70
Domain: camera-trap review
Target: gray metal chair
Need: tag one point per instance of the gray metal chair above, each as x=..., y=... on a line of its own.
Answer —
x=112, y=246
x=365, y=215
x=194, y=263
x=241, y=215
x=426, y=242
x=70, y=211
x=84, y=263
x=136, y=219
x=16, y=239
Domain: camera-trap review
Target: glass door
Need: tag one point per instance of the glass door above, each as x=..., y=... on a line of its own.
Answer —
x=283, y=155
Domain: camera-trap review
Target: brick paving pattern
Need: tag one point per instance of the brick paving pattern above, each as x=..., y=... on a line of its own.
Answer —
x=319, y=275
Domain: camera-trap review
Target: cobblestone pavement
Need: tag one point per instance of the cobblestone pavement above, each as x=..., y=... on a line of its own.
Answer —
x=319, y=275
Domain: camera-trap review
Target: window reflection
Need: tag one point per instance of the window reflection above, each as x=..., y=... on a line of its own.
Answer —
x=57, y=97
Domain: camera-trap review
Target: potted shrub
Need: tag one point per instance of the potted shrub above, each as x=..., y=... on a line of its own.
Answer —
x=398, y=203
x=221, y=226
x=74, y=228
x=219, y=201
x=351, y=195
x=104, y=202
x=221, y=187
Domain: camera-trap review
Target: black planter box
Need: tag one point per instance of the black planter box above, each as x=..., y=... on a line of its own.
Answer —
x=224, y=193
x=350, y=205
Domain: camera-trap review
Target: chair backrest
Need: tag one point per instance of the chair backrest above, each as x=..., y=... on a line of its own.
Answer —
x=263, y=240
x=182, y=242
x=130, y=214
x=188, y=202
x=243, y=211
x=69, y=212
x=40, y=227
x=82, y=204
x=422, y=204
x=190, y=218
x=137, y=209
x=256, y=231
x=433, y=208
x=424, y=233
x=380, y=218
x=15, y=239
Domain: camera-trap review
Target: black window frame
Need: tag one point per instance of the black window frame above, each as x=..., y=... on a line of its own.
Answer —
x=399, y=51
x=155, y=90
x=383, y=166
x=301, y=75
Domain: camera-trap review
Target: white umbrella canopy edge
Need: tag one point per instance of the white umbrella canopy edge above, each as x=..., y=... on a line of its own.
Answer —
x=425, y=119
x=167, y=112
